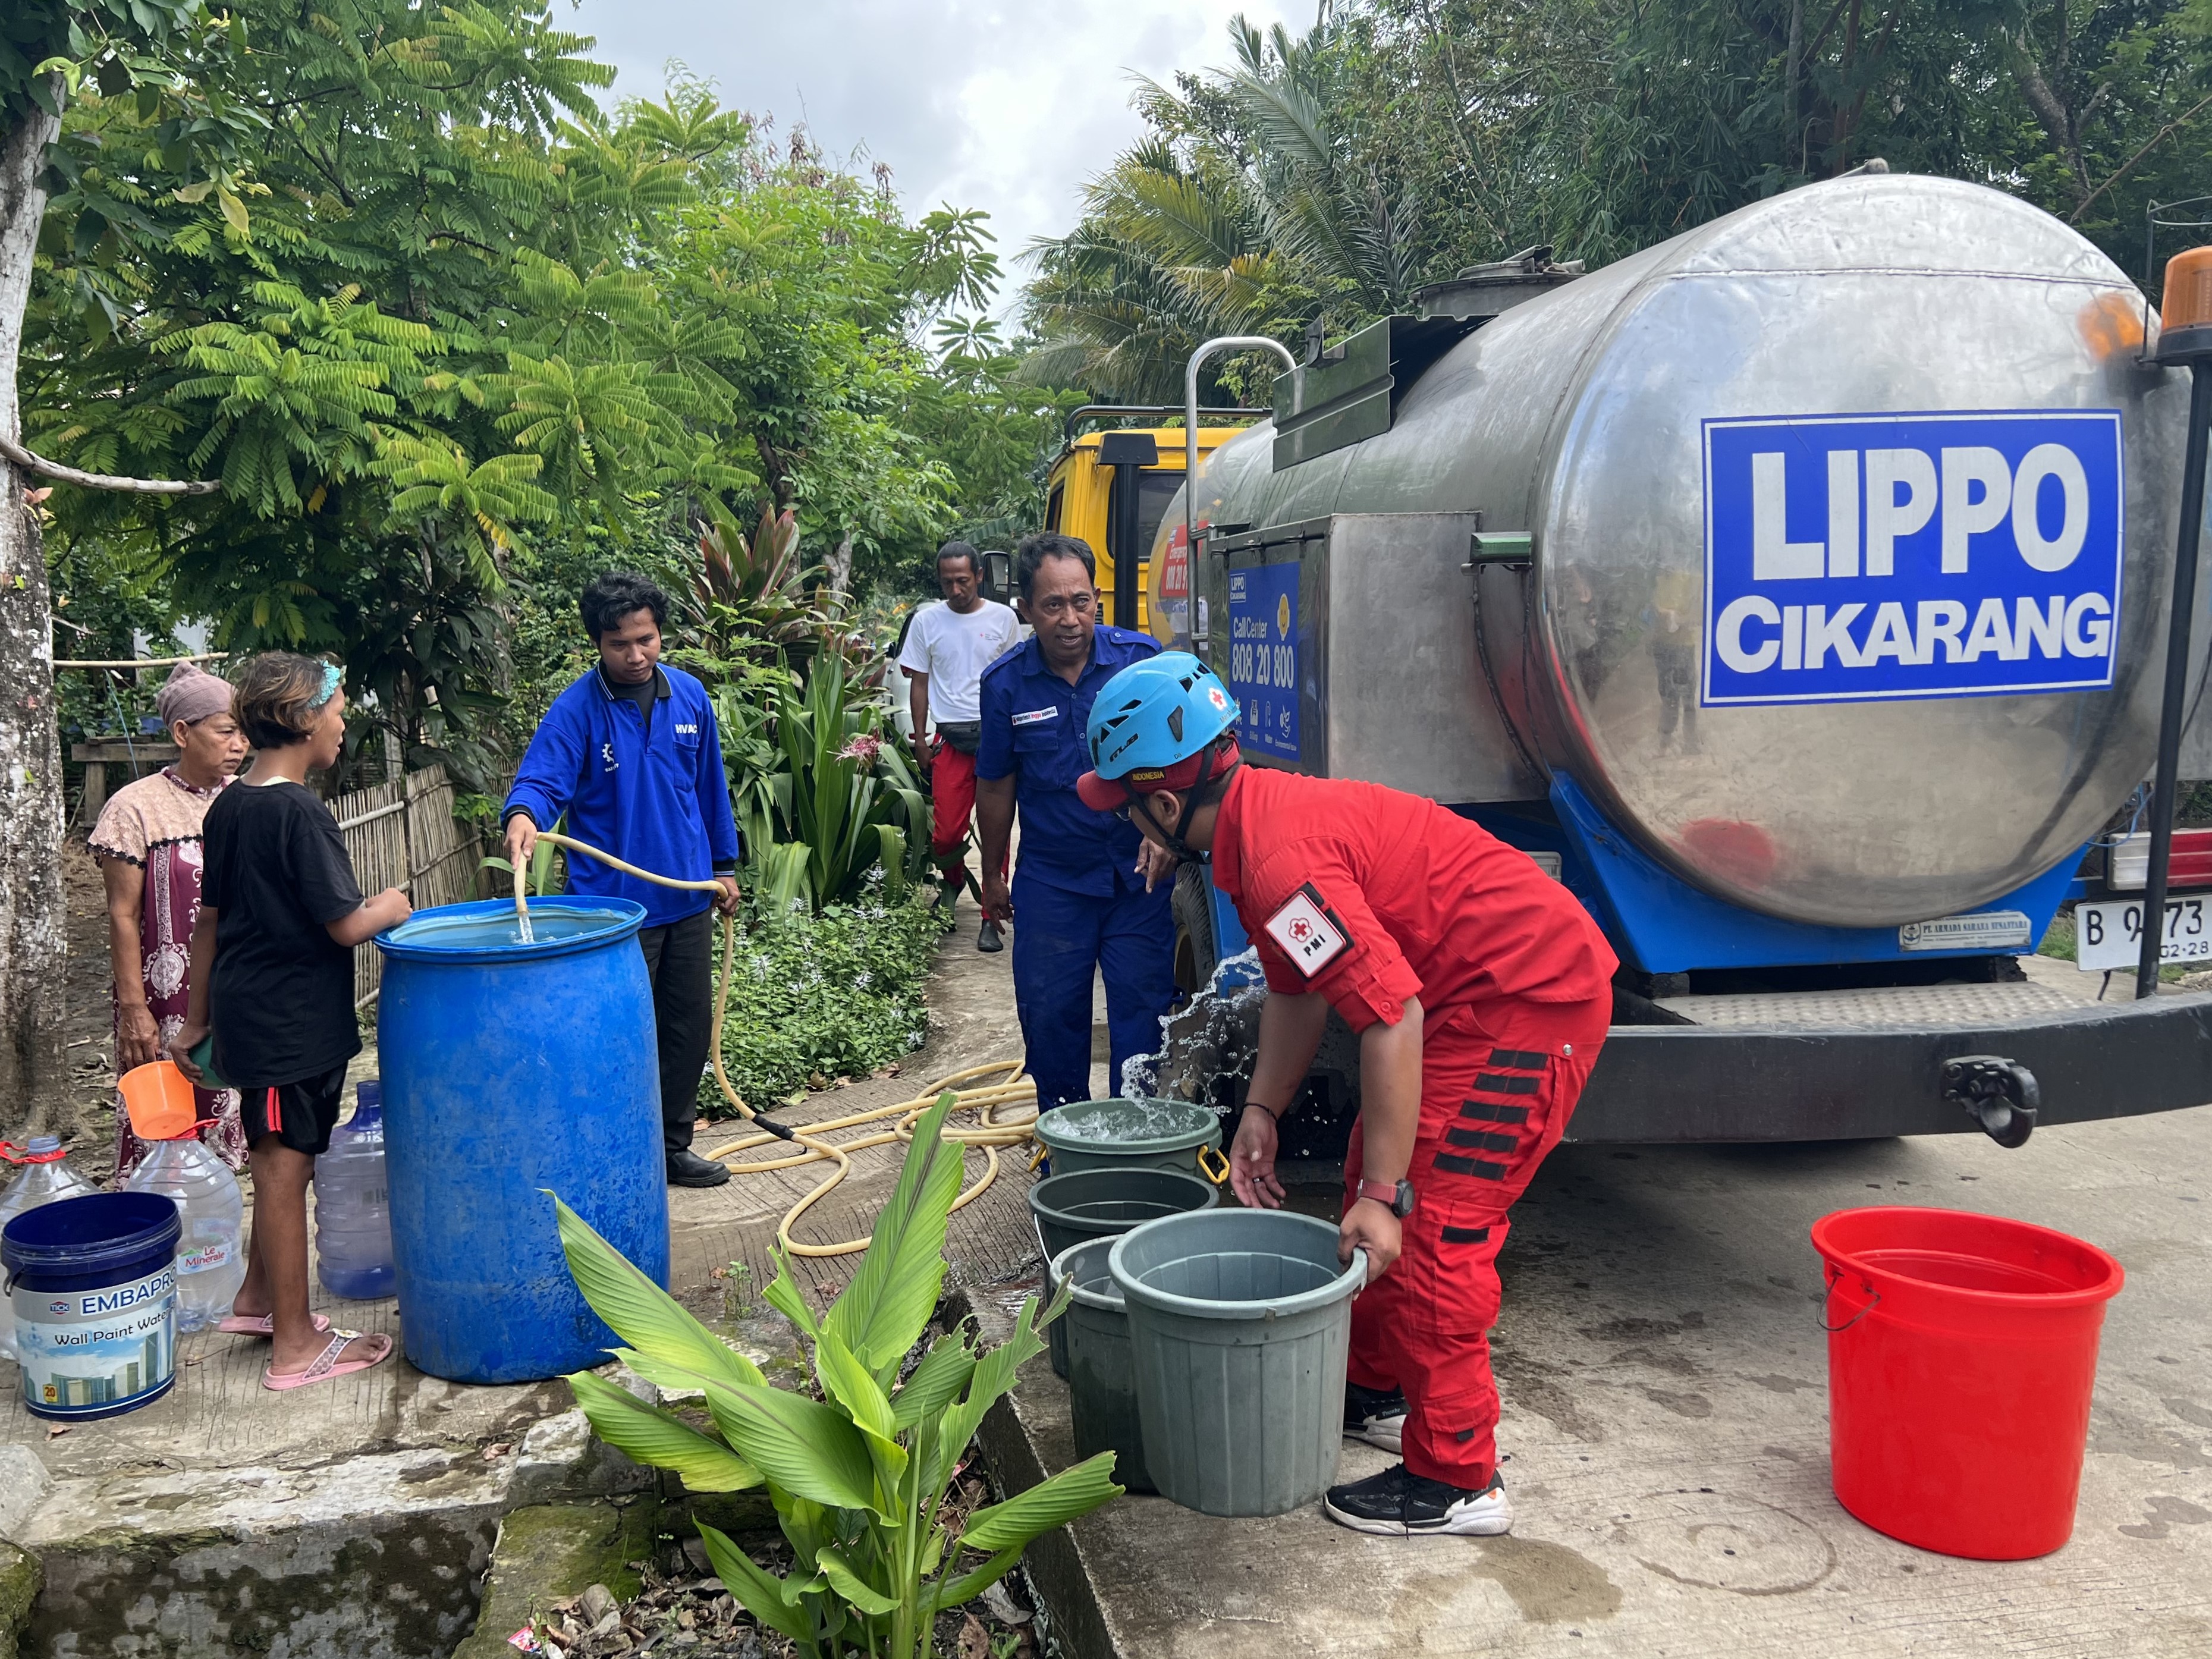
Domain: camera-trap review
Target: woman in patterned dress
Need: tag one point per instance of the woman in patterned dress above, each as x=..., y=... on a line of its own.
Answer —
x=148, y=843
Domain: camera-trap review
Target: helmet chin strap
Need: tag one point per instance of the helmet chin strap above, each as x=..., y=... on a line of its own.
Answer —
x=1188, y=803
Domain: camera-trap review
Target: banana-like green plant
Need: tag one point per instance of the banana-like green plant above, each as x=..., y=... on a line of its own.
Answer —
x=820, y=794
x=859, y=1477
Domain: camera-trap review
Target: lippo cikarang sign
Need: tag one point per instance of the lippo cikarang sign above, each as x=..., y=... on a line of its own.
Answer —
x=1860, y=557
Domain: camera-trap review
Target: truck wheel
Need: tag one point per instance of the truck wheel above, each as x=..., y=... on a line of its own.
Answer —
x=1196, y=952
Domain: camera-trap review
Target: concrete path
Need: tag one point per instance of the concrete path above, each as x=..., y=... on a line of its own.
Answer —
x=1666, y=1433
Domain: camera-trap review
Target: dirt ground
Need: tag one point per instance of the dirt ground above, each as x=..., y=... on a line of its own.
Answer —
x=88, y=1127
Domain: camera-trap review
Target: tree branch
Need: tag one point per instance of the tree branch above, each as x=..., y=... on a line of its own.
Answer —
x=2129, y=166
x=28, y=462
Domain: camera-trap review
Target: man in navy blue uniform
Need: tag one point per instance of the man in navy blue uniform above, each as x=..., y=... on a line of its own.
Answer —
x=1078, y=905
x=630, y=752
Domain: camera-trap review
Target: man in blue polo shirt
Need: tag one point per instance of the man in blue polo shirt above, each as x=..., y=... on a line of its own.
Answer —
x=630, y=752
x=1078, y=905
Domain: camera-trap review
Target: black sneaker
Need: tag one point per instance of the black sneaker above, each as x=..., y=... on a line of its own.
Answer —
x=687, y=1168
x=987, y=937
x=1397, y=1504
x=1376, y=1416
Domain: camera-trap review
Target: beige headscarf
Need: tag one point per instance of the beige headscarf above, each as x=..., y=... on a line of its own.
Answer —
x=191, y=696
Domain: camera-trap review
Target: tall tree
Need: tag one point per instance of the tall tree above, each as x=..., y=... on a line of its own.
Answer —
x=155, y=52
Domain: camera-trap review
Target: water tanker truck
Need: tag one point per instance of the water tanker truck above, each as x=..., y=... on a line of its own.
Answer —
x=1794, y=591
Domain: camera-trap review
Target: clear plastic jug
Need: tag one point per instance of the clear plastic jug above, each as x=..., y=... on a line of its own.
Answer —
x=211, y=1254
x=353, y=1215
x=43, y=1179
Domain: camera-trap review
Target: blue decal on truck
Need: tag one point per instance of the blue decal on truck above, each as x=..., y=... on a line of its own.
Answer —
x=1263, y=657
x=1864, y=557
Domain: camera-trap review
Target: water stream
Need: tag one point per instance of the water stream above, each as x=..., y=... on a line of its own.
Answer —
x=1211, y=1037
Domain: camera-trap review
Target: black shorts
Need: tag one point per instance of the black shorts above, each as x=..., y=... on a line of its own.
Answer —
x=301, y=1115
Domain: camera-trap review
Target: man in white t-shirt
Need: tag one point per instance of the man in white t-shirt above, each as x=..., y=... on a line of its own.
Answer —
x=948, y=647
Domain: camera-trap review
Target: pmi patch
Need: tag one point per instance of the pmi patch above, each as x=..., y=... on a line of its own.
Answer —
x=1308, y=931
x=1036, y=716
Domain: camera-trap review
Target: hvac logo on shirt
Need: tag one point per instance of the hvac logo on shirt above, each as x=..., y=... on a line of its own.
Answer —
x=607, y=761
x=1869, y=557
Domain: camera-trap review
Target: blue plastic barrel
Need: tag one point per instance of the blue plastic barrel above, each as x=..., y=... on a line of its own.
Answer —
x=510, y=1070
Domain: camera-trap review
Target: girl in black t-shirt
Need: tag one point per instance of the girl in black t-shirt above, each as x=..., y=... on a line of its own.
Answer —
x=272, y=975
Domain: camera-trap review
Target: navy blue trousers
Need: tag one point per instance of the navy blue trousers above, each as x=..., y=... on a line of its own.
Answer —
x=1060, y=938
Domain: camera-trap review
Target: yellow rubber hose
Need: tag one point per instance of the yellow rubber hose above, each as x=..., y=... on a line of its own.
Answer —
x=988, y=1133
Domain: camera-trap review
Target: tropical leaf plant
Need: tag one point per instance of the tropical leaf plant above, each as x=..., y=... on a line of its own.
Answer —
x=860, y=1476
x=822, y=799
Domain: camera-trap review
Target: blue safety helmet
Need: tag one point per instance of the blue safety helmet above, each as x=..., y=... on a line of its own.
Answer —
x=1148, y=721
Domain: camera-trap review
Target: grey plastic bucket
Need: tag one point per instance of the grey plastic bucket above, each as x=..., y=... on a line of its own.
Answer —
x=1153, y=1134
x=1055, y=1334
x=1087, y=1204
x=1239, y=1324
x=1102, y=1379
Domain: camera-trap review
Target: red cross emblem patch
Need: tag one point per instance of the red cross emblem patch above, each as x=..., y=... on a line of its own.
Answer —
x=1308, y=931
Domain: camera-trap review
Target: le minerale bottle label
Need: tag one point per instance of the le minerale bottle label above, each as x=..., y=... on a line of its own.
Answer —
x=89, y=1352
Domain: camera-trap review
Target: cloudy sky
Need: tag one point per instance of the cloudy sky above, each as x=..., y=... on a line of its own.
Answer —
x=981, y=103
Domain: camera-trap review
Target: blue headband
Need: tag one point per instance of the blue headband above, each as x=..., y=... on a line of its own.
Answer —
x=333, y=677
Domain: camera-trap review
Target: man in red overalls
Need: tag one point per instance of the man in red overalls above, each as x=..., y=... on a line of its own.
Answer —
x=1480, y=991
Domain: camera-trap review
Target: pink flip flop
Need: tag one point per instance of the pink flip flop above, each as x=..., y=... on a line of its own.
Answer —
x=262, y=1324
x=327, y=1364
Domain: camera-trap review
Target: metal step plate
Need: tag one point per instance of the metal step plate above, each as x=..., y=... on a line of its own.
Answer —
x=1917, y=1007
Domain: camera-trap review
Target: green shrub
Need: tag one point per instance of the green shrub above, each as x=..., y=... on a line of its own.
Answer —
x=835, y=994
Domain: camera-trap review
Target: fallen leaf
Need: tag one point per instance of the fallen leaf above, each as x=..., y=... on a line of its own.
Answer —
x=55, y=1431
x=497, y=1449
x=974, y=1641
x=1002, y=1606
x=595, y=1602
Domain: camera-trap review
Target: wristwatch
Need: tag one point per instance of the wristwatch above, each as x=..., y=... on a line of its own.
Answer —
x=1400, y=1198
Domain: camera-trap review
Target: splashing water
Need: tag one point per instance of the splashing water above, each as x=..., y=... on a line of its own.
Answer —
x=1120, y=1122
x=1211, y=1037
x=523, y=935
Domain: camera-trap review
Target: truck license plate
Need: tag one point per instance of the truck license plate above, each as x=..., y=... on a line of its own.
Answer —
x=2110, y=935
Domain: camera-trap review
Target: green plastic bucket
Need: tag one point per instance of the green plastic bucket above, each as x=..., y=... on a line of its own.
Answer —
x=1156, y=1135
x=1102, y=1378
x=1240, y=1325
x=1086, y=1204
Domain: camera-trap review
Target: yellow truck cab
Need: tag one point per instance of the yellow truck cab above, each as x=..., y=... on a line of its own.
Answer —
x=1112, y=488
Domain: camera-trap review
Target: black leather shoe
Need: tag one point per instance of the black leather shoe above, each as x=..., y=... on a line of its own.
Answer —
x=687, y=1168
x=987, y=937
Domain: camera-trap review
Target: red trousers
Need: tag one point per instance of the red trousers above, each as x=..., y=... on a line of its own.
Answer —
x=951, y=804
x=1497, y=1085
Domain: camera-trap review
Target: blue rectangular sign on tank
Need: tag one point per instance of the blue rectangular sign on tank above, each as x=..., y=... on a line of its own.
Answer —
x=1263, y=657
x=1867, y=557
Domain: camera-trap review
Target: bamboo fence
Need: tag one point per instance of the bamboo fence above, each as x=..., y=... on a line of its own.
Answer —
x=403, y=835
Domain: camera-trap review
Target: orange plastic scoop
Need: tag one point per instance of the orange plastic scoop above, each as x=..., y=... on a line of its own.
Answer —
x=160, y=1101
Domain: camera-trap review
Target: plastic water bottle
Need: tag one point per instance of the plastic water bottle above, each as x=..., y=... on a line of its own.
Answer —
x=45, y=1178
x=211, y=1254
x=353, y=1215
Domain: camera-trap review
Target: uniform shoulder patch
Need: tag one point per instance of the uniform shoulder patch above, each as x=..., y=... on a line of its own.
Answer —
x=1309, y=931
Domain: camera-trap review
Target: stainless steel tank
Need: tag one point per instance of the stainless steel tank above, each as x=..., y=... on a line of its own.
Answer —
x=1764, y=467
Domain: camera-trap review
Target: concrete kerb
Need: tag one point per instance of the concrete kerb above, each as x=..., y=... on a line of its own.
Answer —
x=355, y=1553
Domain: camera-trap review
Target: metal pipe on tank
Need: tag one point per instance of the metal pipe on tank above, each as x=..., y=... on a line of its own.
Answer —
x=1225, y=342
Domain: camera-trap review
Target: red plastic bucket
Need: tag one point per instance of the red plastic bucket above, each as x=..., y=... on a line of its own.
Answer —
x=1962, y=1350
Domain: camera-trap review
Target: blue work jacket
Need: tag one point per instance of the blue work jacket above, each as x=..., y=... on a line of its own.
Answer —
x=1033, y=731
x=659, y=799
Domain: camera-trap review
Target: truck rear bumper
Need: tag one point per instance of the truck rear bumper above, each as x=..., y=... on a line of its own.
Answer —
x=1842, y=1081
